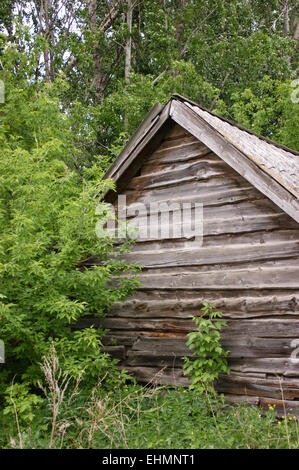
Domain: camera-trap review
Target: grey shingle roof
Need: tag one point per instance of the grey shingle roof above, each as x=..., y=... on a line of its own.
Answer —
x=281, y=165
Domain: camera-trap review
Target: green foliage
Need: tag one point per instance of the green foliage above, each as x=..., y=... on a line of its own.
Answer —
x=209, y=53
x=208, y=356
x=140, y=95
x=20, y=403
x=135, y=417
x=267, y=108
x=48, y=215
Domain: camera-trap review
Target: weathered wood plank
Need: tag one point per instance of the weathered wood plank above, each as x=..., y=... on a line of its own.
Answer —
x=162, y=345
x=173, y=142
x=271, y=275
x=244, y=346
x=260, y=238
x=155, y=375
x=225, y=300
x=160, y=166
x=262, y=328
x=282, y=407
x=206, y=190
x=251, y=366
x=238, y=305
x=214, y=255
x=283, y=366
x=179, y=153
x=255, y=207
x=238, y=347
x=148, y=359
x=248, y=223
x=270, y=387
x=233, y=196
x=250, y=400
x=196, y=171
x=246, y=265
x=117, y=352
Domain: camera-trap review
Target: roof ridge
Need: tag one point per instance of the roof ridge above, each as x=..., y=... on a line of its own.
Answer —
x=236, y=124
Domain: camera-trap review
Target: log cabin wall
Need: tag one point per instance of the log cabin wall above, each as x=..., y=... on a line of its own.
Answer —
x=247, y=267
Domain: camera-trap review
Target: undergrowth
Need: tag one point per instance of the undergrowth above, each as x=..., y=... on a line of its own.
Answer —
x=67, y=415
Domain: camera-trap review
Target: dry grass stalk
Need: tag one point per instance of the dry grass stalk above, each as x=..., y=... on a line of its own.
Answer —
x=12, y=441
x=57, y=384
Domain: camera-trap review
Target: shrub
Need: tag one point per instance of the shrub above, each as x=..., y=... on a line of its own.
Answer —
x=47, y=228
x=208, y=357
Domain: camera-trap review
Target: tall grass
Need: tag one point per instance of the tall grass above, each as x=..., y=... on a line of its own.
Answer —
x=135, y=416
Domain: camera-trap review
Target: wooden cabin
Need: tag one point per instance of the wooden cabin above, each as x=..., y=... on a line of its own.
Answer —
x=247, y=264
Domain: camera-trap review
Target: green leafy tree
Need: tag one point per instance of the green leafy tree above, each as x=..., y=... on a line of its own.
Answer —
x=268, y=109
x=48, y=217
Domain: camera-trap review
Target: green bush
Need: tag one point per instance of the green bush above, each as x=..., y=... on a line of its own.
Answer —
x=47, y=228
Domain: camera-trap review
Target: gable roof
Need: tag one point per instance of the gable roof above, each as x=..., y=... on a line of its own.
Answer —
x=272, y=168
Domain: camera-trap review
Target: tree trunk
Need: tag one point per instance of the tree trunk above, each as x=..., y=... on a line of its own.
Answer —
x=179, y=26
x=46, y=29
x=43, y=17
x=128, y=47
x=286, y=20
x=128, y=51
x=98, y=77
